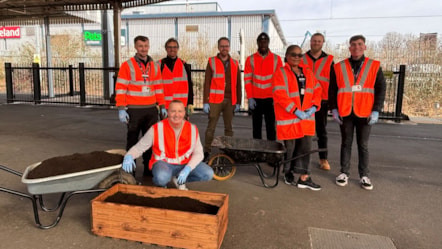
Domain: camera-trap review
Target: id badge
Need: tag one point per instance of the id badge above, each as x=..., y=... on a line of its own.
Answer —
x=145, y=76
x=302, y=91
x=356, y=88
x=145, y=89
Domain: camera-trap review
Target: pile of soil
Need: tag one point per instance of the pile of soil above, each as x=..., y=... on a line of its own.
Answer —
x=174, y=203
x=74, y=163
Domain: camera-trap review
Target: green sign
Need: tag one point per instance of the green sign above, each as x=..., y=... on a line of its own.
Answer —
x=94, y=37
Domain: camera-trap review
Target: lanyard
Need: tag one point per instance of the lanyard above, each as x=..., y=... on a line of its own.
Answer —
x=356, y=74
x=144, y=70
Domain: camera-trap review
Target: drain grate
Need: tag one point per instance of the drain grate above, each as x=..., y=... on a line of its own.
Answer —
x=333, y=239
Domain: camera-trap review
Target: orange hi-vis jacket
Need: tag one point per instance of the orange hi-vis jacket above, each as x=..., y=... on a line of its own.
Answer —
x=166, y=147
x=218, y=83
x=132, y=90
x=356, y=94
x=321, y=68
x=258, y=73
x=175, y=83
x=286, y=99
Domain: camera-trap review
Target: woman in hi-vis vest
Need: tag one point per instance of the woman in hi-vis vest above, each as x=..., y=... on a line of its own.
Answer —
x=296, y=96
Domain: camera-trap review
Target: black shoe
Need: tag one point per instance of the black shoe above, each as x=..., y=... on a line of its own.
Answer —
x=308, y=184
x=289, y=179
x=206, y=156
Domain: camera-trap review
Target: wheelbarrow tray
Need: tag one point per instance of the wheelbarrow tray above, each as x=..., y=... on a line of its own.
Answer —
x=81, y=180
x=244, y=150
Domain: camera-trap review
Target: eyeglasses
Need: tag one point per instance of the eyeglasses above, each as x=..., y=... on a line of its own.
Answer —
x=172, y=47
x=296, y=55
x=224, y=46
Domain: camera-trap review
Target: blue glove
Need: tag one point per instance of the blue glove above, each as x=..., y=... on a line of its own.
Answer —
x=301, y=115
x=237, y=108
x=374, y=117
x=129, y=164
x=184, y=173
x=163, y=113
x=206, y=108
x=252, y=104
x=336, y=116
x=310, y=111
x=123, y=116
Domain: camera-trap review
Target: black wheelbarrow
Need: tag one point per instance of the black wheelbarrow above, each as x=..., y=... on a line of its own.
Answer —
x=249, y=152
x=67, y=185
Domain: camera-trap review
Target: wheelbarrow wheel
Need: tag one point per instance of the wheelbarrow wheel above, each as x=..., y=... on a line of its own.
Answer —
x=222, y=166
x=119, y=176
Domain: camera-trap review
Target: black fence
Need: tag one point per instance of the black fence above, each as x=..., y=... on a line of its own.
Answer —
x=93, y=86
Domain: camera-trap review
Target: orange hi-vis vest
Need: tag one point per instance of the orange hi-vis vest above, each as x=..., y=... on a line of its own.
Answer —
x=286, y=99
x=356, y=94
x=321, y=68
x=258, y=73
x=166, y=147
x=132, y=89
x=175, y=83
x=218, y=83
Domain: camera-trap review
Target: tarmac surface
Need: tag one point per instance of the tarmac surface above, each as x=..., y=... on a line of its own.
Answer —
x=404, y=207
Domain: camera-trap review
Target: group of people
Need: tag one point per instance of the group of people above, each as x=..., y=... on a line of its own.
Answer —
x=156, y=98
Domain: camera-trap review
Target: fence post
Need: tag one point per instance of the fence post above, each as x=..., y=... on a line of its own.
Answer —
x=400, y=94
x=9, y=86
x=36, y=81
x=82, y=84
x=71, y=80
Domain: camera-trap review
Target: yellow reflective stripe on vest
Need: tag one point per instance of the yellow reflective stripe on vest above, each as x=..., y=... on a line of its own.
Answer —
x=213, y=66
x=162, y=147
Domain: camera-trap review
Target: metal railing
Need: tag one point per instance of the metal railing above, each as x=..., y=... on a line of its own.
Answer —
x=94, y=86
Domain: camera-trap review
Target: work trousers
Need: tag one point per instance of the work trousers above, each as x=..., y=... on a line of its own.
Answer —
x=350, y=123
x=264, y=107
x=321, y=131
x=163, y=172
x=295, y=148
x=140, y=120
x=226, y=108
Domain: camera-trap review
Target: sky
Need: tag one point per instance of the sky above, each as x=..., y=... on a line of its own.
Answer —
x=340, y=19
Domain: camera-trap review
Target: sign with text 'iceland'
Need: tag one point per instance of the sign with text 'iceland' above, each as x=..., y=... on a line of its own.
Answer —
x=9, y=32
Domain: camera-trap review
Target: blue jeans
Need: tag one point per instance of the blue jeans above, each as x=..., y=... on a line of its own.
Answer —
x=163, y=172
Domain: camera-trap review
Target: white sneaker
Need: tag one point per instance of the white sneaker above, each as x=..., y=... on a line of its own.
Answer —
x=366, y=183
x=342, y=180
x=179, y=186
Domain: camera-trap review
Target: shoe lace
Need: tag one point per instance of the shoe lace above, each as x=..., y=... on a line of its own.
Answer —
x=366, y=180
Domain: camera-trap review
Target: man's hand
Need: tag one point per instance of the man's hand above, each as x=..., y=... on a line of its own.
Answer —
x=336, y=116
x=300, y=114
x=129, y=164
x=310, y=111
x=123, y=116
x=163, y=113
x=374, y=117
x=184, y=173
x=206, y=108
x=252, y=104
x=237, y=107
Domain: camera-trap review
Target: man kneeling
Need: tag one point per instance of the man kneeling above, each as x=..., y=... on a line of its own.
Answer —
x=177, y=152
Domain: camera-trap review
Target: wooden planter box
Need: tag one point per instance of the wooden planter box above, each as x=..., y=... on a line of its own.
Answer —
x=160, y=226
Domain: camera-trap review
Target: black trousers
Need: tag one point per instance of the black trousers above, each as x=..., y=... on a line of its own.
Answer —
x=297, y=147
x=350, y=123
x=321, y=131
x=264, y=107
x=140, y=120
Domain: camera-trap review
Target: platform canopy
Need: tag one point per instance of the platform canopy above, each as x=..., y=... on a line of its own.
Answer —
x=25, y=12
x=35, y=9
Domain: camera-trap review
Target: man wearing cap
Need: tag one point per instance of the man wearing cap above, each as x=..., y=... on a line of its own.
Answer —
x=322, y=66
x=258, y=73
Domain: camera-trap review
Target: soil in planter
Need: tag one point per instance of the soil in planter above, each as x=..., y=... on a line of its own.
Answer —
x=174, y=203
x=74, y=163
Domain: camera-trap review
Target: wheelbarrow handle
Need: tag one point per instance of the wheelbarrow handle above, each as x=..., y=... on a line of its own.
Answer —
x=302, y=155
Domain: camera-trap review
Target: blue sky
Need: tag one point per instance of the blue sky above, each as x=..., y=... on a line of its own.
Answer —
x=340, y=19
